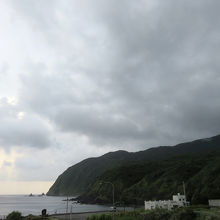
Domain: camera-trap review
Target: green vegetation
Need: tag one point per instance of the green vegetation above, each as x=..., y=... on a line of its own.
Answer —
x=135, y=183
x=38, y=217
x=161, y=214
x=100, y=217
x=156, y=173
x=188, y=213
x=15, y=215
x=76, y=179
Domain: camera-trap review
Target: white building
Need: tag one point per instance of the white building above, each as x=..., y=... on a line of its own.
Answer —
x=162, y=204
x=178, y=201
x=214, y=203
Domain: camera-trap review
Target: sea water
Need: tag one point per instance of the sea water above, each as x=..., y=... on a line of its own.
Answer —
x=34, y=205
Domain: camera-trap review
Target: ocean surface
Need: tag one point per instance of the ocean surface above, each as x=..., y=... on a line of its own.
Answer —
x=34, y=205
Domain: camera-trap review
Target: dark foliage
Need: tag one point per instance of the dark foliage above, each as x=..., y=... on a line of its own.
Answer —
x=160, y=180
x=14, y=216
x=156, y=173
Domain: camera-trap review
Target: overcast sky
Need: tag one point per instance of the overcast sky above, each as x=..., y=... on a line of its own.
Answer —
x=81, y=78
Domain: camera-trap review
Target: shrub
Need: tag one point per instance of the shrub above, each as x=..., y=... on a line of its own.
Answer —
x=92, y=217
x=105, y=217
x=99, y=217
x=184, y=214
x=15, y=215
x=157, y=214
x=131, y=213
x=33, y=217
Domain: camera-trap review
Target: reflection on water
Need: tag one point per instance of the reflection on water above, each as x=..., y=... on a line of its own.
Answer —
x=34, y=204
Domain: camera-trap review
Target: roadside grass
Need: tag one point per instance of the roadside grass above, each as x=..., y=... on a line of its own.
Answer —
x=16, y=215
x=188, y=213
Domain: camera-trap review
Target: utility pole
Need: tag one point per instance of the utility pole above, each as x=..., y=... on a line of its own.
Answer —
x=184, y=189
x=67, y=200
x=71, y=212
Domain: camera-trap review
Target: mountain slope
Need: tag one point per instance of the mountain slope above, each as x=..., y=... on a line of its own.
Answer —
x=159, y=180
x=76, y=179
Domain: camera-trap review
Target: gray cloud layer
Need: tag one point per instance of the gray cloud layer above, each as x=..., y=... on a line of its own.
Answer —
x=137, y=74
x=25, y=131
x=81, y=78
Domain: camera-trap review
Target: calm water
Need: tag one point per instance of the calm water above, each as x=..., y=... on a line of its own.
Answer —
x=33, y=205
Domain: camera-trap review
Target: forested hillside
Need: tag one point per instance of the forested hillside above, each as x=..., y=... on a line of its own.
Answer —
x=160, y=180
x=155, y=173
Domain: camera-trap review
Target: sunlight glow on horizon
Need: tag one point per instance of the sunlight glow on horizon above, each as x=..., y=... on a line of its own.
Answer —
x=24, y=187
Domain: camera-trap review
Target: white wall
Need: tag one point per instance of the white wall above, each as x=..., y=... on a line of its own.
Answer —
x=214, y=203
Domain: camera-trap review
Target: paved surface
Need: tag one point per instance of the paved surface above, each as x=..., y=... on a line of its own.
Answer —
x=76, y=216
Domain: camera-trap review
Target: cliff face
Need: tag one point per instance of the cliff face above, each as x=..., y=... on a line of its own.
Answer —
x=81, y=177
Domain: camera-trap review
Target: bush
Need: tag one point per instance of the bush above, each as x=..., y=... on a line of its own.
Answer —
x=184, y=214
x=33, y=217
x=157, y=214
x=212, y=215
x=92, y=217
x=129, y=215
x=14, y=216
x=99, y=217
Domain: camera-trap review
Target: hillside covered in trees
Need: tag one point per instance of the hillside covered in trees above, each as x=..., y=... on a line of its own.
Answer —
x=135, y=183
x=156, y=173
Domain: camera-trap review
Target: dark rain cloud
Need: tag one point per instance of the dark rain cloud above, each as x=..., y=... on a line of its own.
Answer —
x=134, y=74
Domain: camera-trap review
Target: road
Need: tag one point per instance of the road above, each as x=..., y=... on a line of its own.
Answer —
x=76, y=216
